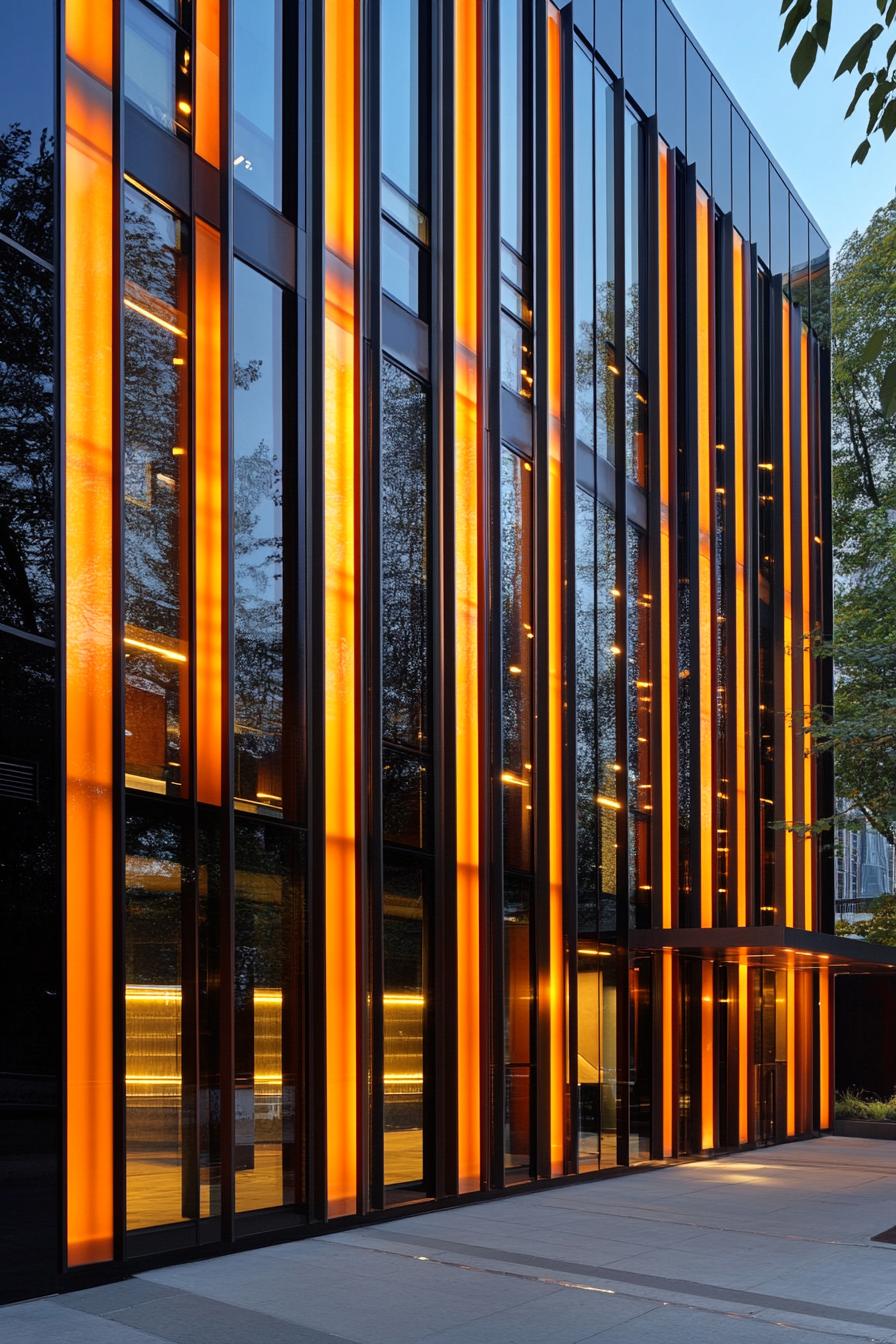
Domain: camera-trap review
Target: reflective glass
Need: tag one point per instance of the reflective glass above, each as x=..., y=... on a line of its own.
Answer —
x=636, y=423
x=640, y=700
x=583, y=244
x=402, y=133
x=269, y=917
x=699, y=96
x=606, y=677
x=258, y=496
x=740, y=174
x=512, y=103
x=759, y=217
x=670, y=78
x=405, y=991
x=156, y=513
x=519, y=1007
x=258, y=98
x=161, y=1189
x=799, y=258
x=517, y=660
x=780, y=227
x=27, y=110
x=820, y=284
x=401, y=267
x=605, y=266
x=405, y=793
x=27, y=450
x=608, y=32
x=634, y=217
x=516, y=357
x=640, y=1059
x=150, y=47
x=721, y=147
x=405, y=558
x=639, y=52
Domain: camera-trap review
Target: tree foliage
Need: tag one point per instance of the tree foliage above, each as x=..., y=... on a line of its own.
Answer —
x=879, y=928
x=863, y=731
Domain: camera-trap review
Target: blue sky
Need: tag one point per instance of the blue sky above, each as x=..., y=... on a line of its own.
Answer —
x=804, y=128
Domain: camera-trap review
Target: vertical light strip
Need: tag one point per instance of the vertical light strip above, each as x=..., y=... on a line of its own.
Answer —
x=89, y=513
x=707, y=1066
x=555, y=586
x=824, y=1048
x=467, y=507
x=208, y=93
x=741, y=656
x=668, y=1095
x=743, y=1060
x=787, y=584
x=209, y=517
x=806, y=532
x=664, y=402
x=705, y=614
x=340, y=602
x=791, y=1051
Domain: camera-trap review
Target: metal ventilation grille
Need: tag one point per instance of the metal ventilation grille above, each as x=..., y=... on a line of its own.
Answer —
x=18, y=779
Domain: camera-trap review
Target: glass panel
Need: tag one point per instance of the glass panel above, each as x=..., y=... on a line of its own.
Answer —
x=641, y=1066
x=586, y=829
x=404, y=1017
x=519, y=1007
x=401, y=267
x=640, y=698
x=721, y=147
x=404, y=212
x=820, y=286
x=608, y=30
x=161, y=1184
x=516, y=357
x=258, y=494
x=670, y=81
x=512, y=72
x=759, y=220
x=208, y=1109
x=740, y=174
x=30, y=961
x=150, y=67
x=583, y=244
x=405, y=558
x=636, y=423
x=27, y=81
x=517, y=660
x=405, y=793
x=269, y=1008
x=27, y=448
x=402, y=133
x=699, y=117
x=799, y=258
x=780, y=226
x=634, y=196
x=156, y=514
x=639, y=52
x=605, y=267
x=608, y=767
x=258, y=98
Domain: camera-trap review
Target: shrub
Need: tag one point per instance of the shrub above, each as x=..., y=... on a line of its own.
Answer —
x=853, y=1105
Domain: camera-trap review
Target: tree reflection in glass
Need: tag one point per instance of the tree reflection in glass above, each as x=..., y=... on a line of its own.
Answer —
x=258, y=541
x=155, y=492
x=517, y=660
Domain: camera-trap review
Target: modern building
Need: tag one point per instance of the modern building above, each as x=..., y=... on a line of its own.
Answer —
x=864, y=868
x=414, y=499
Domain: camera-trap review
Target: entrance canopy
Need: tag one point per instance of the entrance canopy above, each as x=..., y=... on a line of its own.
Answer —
x=769, y=946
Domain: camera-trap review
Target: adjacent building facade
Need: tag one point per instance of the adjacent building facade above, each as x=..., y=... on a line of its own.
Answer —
x=414, y=514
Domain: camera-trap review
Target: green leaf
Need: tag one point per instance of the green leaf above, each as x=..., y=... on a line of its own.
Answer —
x=785, y=5
x=822, y=26
x=888, y=390
x=860, y=47
x=873, y=345
x=795, y=17
x=861, y=153
x=803, y=58
x=891, y=13
x=863, y=86
x=888, y=119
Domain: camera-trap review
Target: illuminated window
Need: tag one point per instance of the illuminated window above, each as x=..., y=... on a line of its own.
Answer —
x=156, y=473
x=158, y=77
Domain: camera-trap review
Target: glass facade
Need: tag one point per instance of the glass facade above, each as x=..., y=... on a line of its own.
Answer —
x=412, y=533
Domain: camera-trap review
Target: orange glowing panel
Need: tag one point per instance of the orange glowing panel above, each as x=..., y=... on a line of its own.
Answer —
x=555, y=590
x=790, y=1008
x=824, y=1048
x=807, y=532
x=741, y=652
x=89, y=658
x=668, y=1095
x=707, y=1068
x=704, y=562
x=664, y=402
x=743, y=1057
x=787, y=581
x=208, y=87
x=467, y=618
x=209, y=517
x=340, y=604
